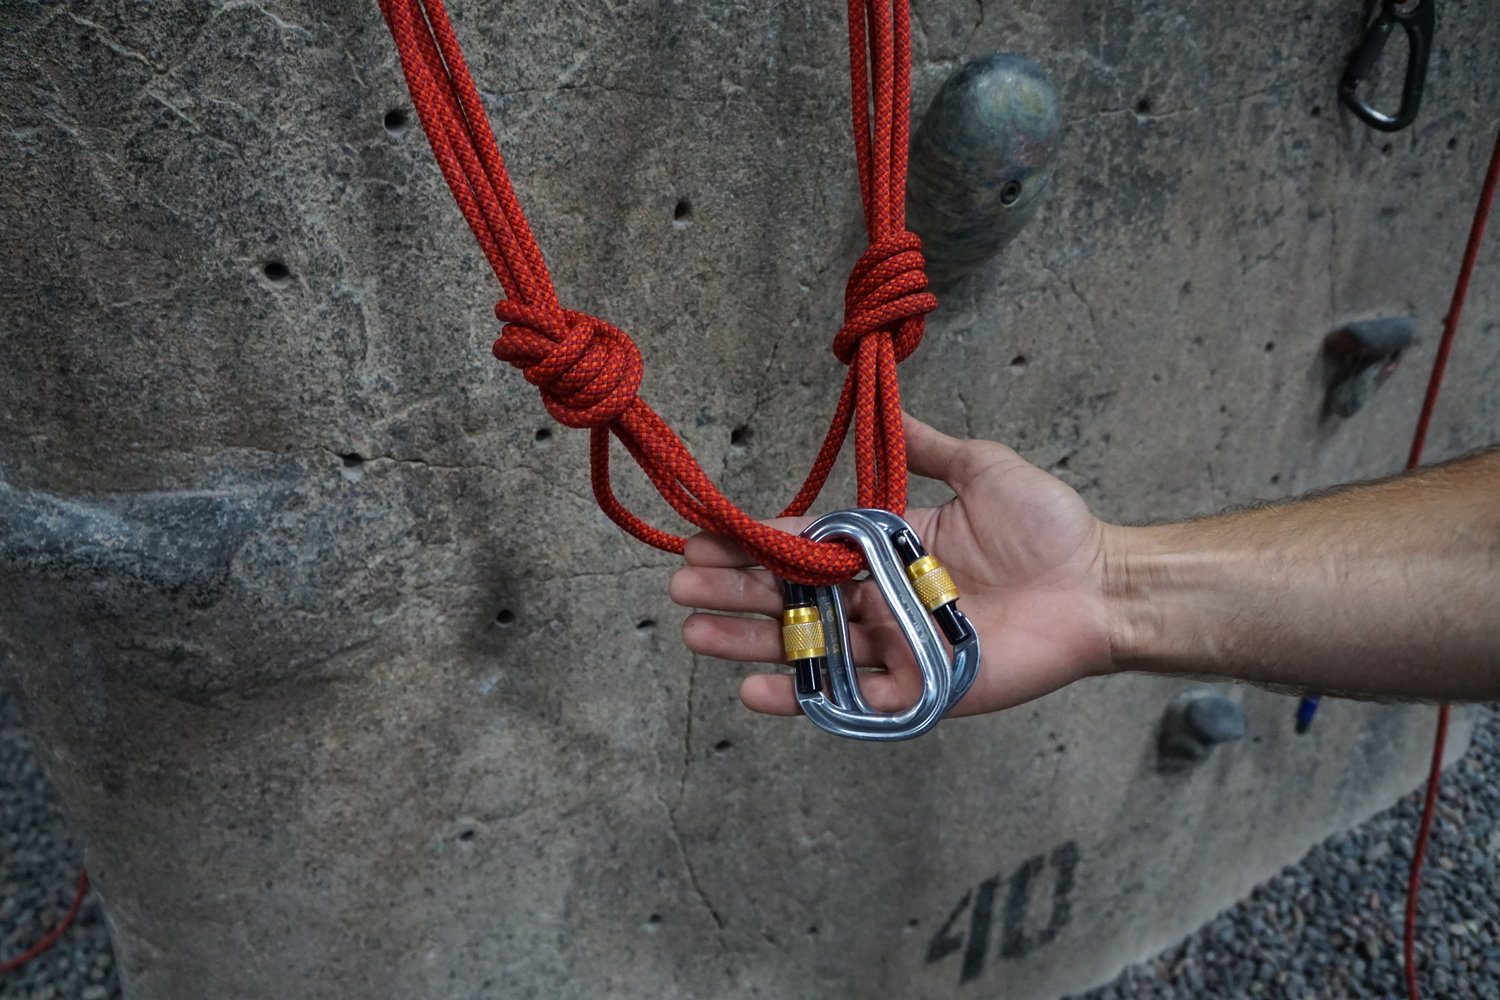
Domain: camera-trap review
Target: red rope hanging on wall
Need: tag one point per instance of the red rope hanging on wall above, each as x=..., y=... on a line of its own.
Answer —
x=1413, y=459
x=588, y=371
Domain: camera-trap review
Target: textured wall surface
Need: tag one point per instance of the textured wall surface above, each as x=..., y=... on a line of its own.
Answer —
x=351, y=691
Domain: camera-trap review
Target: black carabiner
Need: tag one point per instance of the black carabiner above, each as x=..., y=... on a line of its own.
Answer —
x=1417, y=19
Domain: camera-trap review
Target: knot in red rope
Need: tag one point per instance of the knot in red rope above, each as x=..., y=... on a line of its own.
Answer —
x=587, y=370
x=886, y=291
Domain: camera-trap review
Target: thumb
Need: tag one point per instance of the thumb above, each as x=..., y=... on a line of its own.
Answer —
x=929, y=452
x=934, y=455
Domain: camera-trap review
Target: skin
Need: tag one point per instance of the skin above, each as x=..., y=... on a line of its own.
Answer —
x=1388, y=589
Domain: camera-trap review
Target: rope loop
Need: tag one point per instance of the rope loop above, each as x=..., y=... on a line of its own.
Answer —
x=587, y=370
x=887, y=290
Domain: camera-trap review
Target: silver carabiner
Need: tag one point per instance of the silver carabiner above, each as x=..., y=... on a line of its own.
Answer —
x=920, y=595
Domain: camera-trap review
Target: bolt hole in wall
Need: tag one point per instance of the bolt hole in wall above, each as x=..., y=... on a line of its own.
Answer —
x=395, y=121
x=646, y=626
x=352, y=466
x=1143, y=106
x=276, y=272
x=543, y=435
x=504, y=617
x=682, y=211
x=740, y=437
x=1019, y=361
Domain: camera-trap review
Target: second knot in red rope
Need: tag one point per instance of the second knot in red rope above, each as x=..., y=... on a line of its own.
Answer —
x=587, y=370
x=887, y=290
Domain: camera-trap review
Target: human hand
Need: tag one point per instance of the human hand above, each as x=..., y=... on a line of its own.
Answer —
x=1022, y=546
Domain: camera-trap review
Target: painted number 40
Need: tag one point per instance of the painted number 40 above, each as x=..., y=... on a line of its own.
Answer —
x=1015, y=941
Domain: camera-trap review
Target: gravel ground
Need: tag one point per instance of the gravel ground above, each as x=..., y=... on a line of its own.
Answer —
x=39, y=868
x=1329, y=926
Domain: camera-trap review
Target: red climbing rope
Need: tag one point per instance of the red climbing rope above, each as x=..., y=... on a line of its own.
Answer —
x=1429, y=403
x=55, y=934
x=588, y=371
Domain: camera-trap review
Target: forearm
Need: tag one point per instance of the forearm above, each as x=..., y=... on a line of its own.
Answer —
x=1390, y=589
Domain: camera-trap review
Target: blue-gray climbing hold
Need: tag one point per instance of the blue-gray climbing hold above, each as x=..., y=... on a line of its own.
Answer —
x=980, y=162
x=1194, y=723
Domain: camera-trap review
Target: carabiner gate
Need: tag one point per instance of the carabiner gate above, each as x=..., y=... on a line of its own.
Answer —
x=921, y=597
x=1417, y=19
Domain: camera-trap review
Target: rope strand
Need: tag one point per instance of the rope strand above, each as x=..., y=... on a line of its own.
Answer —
x=588, y=371
x=1419, y=438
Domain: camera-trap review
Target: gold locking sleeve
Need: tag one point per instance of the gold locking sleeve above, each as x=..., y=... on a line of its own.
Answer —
x=802, y=633
x=932, y=583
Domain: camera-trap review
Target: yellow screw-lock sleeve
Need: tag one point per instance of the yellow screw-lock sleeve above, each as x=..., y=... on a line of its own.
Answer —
x=932, y=583
x=802, y=633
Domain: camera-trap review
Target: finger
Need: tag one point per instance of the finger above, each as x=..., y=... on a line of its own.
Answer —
x=776, y=694
x=757, y=640
x=719, y=589
x=717, y=550
x=934, y=455
x=771, y=694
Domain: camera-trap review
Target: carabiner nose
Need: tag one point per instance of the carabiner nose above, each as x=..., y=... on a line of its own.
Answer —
x=815, y=631
x=1418, y=20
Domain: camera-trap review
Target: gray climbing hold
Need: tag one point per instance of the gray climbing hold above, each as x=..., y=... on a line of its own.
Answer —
x=1194, y=723
x=981, y=162
x=1360, y=356
x=1213, y=718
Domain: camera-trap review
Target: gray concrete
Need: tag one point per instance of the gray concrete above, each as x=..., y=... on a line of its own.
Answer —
x=304, y=756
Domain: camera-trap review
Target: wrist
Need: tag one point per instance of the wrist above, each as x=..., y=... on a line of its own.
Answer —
x=1120, y=587
x=1153, y=581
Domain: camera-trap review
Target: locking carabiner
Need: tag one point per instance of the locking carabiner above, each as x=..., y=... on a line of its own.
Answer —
x=1418, y=20
x=921, y=597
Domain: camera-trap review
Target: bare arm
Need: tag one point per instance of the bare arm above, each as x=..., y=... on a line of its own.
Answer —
x=1388, y=589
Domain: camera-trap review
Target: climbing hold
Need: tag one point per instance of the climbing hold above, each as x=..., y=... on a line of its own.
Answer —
x=1361, y=356
x=980, y=162
x=1194, y=723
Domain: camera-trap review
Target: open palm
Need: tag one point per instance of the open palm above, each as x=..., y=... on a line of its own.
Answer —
x=1022, y=546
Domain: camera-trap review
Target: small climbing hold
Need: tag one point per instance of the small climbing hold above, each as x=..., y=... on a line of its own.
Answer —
x=1214, y=719
x=981, y=162
x=1194, y=723
x=1361, y=356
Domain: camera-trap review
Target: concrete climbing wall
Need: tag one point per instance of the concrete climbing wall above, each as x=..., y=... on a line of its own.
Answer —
x=348, y=687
